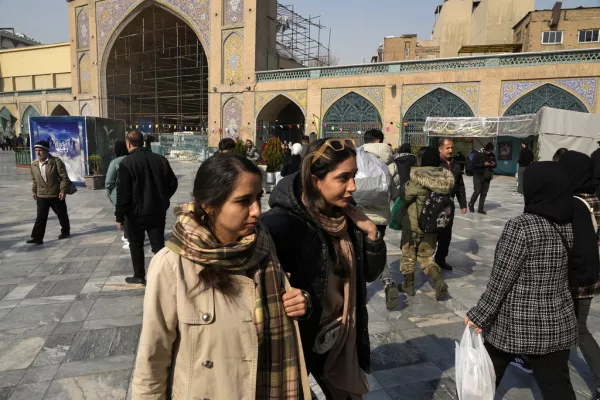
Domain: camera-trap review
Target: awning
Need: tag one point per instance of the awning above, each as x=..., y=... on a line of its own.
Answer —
x=491, y=48
x=520, y=126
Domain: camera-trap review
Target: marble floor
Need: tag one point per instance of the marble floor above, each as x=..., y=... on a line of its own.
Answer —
x=69, y=325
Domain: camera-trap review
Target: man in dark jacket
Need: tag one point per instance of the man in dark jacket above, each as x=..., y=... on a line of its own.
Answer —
x=404, y=160
x=525, y=158
x=146, y=185
x=446, y=147
x=483, y=172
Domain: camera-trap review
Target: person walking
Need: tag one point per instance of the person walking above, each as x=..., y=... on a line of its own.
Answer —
x=145, y=186
x=426, y=177
x=50, y=184
x=584, y=269
x=305, y=143
x=444, y=237
x=331, y=250
x=527, y=306
x=293, y=163
x=112, y=175
x=404, y=160
x=525, y=158
x=219, y=315
x=378, y=210
x=253, y=154
x=484, y=163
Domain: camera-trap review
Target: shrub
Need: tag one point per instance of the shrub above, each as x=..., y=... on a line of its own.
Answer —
x=273, y=155
x=240, y=148
x=94, y=164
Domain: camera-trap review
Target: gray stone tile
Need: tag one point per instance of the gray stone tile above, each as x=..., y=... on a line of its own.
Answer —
x=130, y=306
x=19, y=292
x=30, y=391
x=104, y=343
x=390, y=350
x=377, y=395
x=37, y=374
x=5, y=392
x=95, y=366
x=110, y=323
x=19, y=353
x=409, y=374
x=78, y=311
x=55, y=349
x=11, y=378
x=25, y=320
x=108, y=385
x=67, y=327
x=86, y=252
x=6, y=289
x=40, y=301
x=4, y=312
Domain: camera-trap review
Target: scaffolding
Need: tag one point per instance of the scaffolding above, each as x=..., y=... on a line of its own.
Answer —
x=157, y=75
x=299, y=38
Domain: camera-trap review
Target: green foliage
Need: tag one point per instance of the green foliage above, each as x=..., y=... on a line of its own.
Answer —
x=273, y=155
x=240, y=148
x=94, y=164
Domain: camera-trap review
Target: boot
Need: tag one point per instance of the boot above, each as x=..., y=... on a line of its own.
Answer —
x=471, y=208
x=408, y=286
x=481, y=204
x=441, y=288
x=391, y=294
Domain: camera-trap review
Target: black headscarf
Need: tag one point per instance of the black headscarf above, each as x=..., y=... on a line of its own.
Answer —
x=405, y=148
x=120, y=148
x=430, y=158
x=548, y=192
x=580, y=169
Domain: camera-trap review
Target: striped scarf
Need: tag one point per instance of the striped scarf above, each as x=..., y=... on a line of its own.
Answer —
x=278, y=373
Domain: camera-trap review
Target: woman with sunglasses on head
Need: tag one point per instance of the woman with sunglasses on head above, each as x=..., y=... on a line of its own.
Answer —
x=331, y=250
x=218, y=317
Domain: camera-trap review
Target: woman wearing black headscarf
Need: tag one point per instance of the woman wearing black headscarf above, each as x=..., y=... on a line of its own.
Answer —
x=584, y=272
x=527, y=308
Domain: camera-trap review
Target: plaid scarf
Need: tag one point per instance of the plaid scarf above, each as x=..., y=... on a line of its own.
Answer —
x=278, y=374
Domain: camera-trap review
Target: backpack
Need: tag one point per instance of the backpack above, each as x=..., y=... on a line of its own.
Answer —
x=373, y=180
x=437, y=212
x=469, y=166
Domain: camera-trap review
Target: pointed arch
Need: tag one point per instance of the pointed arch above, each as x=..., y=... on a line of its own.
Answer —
x=437, y=103
x=349, y=115
x=60, y=111
x=281, y=116
x=7, y=122
x=233, y=58
x=232, y=117
x=86, y=110
x=547, y=95
x=31, y=111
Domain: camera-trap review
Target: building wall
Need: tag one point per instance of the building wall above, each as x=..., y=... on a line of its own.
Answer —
x=35, y=68
x=493, y=20
x=452, y=28
x=571, y=21
x=394, y=49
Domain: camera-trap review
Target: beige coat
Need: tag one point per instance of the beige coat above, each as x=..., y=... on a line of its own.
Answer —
x=56, y=175
x=210, y=339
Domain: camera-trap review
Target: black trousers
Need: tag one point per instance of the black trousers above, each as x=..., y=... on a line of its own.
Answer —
x=587, y=344
x=551, y=371
x=136, y=229
x=480, y=187
x=444, y=237
x=43, y=208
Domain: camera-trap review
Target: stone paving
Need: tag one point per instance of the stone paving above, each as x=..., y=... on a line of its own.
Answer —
x=69, y=325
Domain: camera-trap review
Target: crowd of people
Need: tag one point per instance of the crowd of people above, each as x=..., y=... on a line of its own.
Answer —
x=262, y=300
x=9, y=143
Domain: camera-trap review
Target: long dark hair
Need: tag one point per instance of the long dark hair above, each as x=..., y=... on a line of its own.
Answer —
x=120, y=148
x=215, y=181
x=315, y=202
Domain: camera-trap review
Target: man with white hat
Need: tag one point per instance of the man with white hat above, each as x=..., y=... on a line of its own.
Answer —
x=50, y=186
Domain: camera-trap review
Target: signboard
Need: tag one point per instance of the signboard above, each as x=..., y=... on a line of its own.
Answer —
x=505, y=151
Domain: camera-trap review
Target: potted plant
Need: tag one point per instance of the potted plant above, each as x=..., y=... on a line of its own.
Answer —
x=240, y=148
x=94, y=181
x=273, y=156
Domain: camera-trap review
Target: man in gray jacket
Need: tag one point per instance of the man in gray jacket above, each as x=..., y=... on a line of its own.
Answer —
x=50, y=184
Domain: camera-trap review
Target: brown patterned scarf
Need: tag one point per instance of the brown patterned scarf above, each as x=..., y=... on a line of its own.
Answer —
x=278, y=375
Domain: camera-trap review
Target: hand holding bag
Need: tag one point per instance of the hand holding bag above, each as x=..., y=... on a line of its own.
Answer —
x=475, y=375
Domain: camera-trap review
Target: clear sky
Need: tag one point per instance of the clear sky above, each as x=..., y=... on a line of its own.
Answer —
x=358, y=26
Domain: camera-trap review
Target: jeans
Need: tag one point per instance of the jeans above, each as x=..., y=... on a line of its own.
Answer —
x=444, y=237
x=136, y=229
x=386, y=274
x=587, y=344
x=481, y=187
x=551, y=371
x=43, y=207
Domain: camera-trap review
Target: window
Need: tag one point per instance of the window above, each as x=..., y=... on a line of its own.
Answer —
x=589, y=36
x=406, y=50
x=552, y=37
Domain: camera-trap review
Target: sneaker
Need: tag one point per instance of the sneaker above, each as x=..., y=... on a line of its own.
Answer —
x=64, y=236
x=471, y=208
x=126, y=246
x=35, y=241
x=391, y=295
x=123, y=238
x=523, y=364
x=481, y=212
x=135, y=281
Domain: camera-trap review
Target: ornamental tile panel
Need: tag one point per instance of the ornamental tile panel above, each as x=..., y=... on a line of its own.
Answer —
x=468, y=92
x=585, y=87
x=232, y=118
x=374, y=94
x=298, y=96
x=85, y=83
x=83, y=28
x=232, y=59
x=510, y=90
x=110, y=13
x=234, y=12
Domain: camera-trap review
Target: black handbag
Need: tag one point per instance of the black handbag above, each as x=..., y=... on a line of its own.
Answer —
x=72, y=188
x=488, y=175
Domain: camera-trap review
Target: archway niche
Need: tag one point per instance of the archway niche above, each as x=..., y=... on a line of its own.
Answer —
x=157, y=74
x=350, y=117
x=60, y=111
x=280, y=117
x=546, y=95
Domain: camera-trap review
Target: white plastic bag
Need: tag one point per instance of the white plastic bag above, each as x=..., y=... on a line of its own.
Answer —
x=475, y=376
x=372, y=180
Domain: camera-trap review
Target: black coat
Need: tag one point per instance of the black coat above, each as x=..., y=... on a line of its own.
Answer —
x=145, y=185
x=404, y=162
x=596, y=161
x=291, y=165
x=584, y=265
x=525, y=157
x=459, y=185
x=303, y=250
x=479, y=163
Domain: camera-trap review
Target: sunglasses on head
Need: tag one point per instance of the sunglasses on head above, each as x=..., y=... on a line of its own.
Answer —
x=335, y=145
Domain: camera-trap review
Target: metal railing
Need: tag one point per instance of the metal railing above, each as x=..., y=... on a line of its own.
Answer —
x=440, y=64
x=22, y=157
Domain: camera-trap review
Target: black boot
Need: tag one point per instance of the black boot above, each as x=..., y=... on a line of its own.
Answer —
x=444, y=265
x=481, y=204
x=471, y=208
x=391, y=294
x=408, y=286
x=441, y=288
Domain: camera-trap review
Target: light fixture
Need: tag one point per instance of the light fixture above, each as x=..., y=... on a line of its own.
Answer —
x=214, y=89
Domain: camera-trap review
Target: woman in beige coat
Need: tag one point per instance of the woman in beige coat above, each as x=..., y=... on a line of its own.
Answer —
x=218, y=320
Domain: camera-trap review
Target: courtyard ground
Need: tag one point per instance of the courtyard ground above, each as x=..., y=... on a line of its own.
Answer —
x=69, y=325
